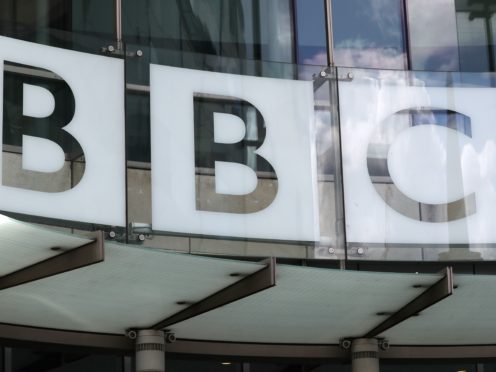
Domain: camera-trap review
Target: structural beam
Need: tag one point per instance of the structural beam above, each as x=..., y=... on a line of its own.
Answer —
x=26, y=336
x=249, y=285
x=329, y=33
x=306, y=352
x=75, y=258
x=451, y=352
x=232, y=350
x=435, y=293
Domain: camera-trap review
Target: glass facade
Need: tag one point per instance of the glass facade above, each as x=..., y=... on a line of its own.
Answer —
x=356, y=138
x=285, y=41
x=369, y=34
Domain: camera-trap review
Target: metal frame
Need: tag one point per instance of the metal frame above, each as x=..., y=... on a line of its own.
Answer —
x=76, y=258
x=330, y=38
x=25, y=336
x=118, y=23
x=324, y=352
x=256, y=350
x=249, y=285
x=435, y=293
x=14, y=335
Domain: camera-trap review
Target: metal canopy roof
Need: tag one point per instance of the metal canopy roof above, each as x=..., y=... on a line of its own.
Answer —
x=467, y=317
x=23, y=244
x=133, y=287
x=309, y=306
x=94, y=291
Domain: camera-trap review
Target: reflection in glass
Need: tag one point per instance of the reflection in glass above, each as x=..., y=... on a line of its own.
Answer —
x=311, y=33
x=250, y=29
x=369, y=33
x=79, y=25
x=427, y=18
x=418, y=170
x=476, y=34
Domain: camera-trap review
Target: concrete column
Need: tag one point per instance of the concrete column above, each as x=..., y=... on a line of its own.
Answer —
x=365, y=355
x=150, y=351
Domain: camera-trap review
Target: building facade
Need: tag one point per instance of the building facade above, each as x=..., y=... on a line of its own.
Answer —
x=284, y=185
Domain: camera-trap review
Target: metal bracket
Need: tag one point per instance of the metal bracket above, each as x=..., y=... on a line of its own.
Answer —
x=139, y=232
x=249, y=285
x=119, y=52
x=435, y=293
x=321, y=78
x=76, y=258
x=327, y=74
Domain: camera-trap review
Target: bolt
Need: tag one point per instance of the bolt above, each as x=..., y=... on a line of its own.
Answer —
x=331, y=250
x=132, y=334
x=110, y=48
x=139, y=53
x=360, y=251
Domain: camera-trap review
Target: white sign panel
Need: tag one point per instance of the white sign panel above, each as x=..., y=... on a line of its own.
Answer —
x=94, y=97
x=239, y=127
x=419, y=162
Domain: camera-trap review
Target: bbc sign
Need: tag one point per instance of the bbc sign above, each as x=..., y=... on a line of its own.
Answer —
x=417, y=161
x=274, y=132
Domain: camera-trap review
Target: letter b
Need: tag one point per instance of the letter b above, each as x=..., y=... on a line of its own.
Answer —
x=40, y=108
x=209, y=151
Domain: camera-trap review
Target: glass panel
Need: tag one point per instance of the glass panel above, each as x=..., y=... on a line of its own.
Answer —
x=475, y=37
x=249, y=29
x=369, y=34
x=201, y=175
x=432, y=35
x=311, y=32
x=418, y=155
x=67, y=24
x=476, y=34
x=246, y=38
x=49, y=87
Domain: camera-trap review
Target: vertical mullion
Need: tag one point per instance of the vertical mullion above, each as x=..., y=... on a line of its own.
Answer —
x=406, y=29
x=329, y=34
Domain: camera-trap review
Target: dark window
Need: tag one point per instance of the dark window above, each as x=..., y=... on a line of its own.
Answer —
x=24, y=360
x=80, y=25
x=251, y=29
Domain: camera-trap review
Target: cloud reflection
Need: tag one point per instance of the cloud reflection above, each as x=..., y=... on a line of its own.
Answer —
x=351, y=54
